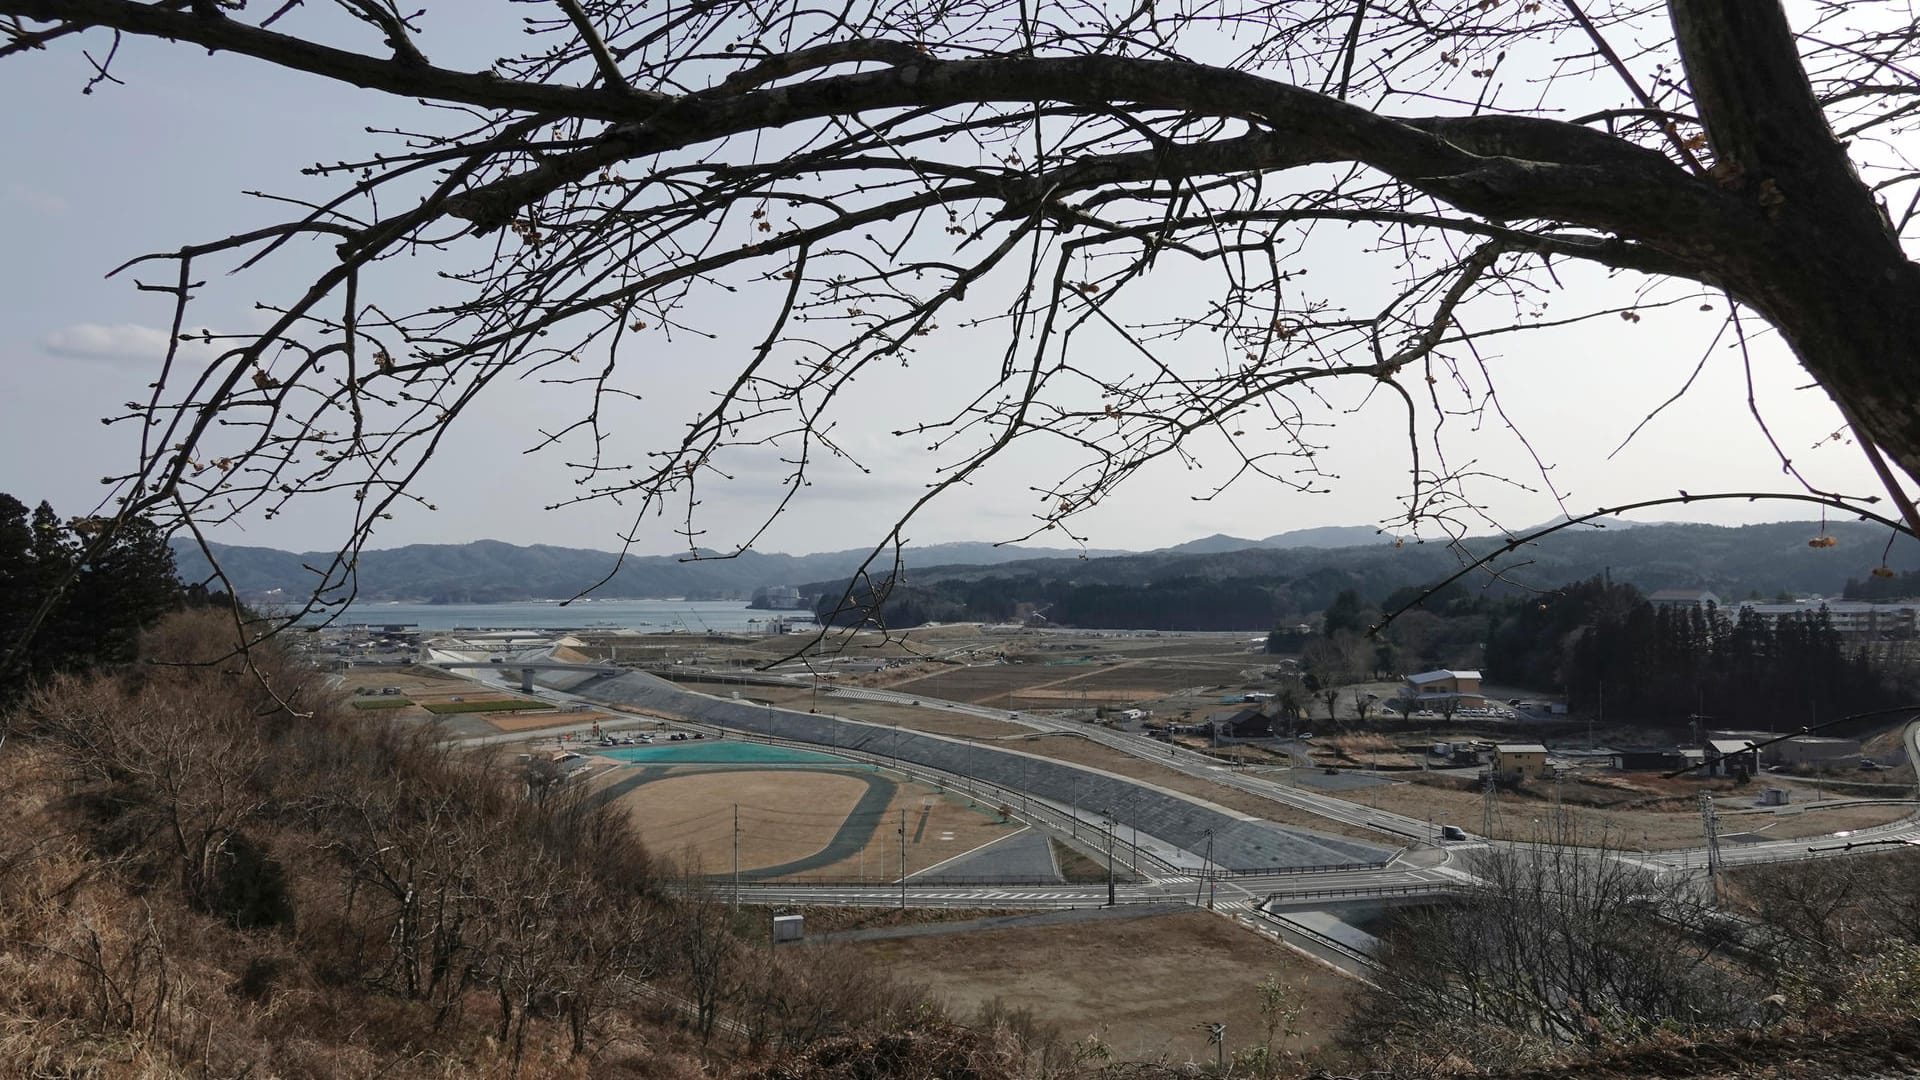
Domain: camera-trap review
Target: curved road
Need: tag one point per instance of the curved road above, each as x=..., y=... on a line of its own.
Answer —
x=1401, y=877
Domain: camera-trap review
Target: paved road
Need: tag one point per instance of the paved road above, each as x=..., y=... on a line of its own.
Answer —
x=1180, y=759
x=1429, y=870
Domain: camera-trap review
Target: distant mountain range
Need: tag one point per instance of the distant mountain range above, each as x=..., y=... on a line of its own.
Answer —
x=1326, y=536
x=1732, y=561
x=491, y=571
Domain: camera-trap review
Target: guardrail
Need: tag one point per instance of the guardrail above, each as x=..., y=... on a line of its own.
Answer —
x=722, y=883
x=1222, y=874
x=1437, y=888
x=1283, y=927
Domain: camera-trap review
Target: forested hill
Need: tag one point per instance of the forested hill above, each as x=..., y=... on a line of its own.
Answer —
x=1733, y=562
x=490, y=571
x=1254, y=588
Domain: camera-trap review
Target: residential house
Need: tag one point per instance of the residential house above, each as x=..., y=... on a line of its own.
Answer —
x=1731, y=757
x=1255, y=722
x=1519, y=762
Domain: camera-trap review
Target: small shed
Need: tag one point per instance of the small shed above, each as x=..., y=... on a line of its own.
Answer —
x=1649, y=759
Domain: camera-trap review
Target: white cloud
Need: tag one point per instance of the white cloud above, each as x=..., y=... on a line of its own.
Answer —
x=34, y=199
x=118, y=343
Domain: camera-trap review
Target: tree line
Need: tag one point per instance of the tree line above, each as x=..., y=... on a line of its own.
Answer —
x=1607, y=648
x=76, y=592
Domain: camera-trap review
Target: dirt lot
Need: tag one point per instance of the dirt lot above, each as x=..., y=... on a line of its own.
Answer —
x=1518, y=817
x=788, y=814
x=1146, y=987
x=534, y=721
x=1104, y=681
x=1058, y=747
x=408, y=679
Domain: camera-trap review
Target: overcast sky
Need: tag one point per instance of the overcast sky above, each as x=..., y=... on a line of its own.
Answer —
x=90, y=180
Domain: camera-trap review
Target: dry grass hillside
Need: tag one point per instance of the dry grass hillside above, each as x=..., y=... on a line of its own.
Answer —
x=211, y=871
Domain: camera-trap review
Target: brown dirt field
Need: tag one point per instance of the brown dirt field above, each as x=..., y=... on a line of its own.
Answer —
x=983, y=684
x=787, y=814
x=407, y=679
x=1063, y=748
x=1103, y=681
x=534, y=721
x=935, y=721
x=1068, y=696
x=690, y=814
x=1155, y=680
x=1145, y=986
x=1515, y=818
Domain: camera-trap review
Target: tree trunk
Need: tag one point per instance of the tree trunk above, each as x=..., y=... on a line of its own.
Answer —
x=1822, y=261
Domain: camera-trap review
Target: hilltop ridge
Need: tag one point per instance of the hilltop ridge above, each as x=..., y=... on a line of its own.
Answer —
x=1734, y=561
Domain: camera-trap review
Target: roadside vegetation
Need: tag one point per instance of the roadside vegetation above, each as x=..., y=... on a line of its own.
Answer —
x=375, y=704
x=1560, y=955
x=469, y=706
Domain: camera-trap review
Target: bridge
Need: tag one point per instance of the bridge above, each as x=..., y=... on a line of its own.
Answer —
x=526, y=668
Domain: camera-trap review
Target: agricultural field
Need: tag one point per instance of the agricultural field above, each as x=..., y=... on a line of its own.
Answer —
x=1144, y=987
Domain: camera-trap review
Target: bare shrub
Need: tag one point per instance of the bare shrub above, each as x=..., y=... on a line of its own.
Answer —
x=1556, y=947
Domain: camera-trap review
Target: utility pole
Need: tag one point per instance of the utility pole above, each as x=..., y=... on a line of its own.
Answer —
x=1710, y=821
x=1133, y=817
x=903, y=859
x=736, y=856
x=1209, y=867
x=1200, y=883
x=1108, y=814
x=1487, y=796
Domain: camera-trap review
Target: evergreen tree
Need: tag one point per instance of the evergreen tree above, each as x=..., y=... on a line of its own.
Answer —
x=99, y=584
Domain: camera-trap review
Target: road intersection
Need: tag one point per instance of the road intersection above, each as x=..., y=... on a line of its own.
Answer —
x=1423, y=866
